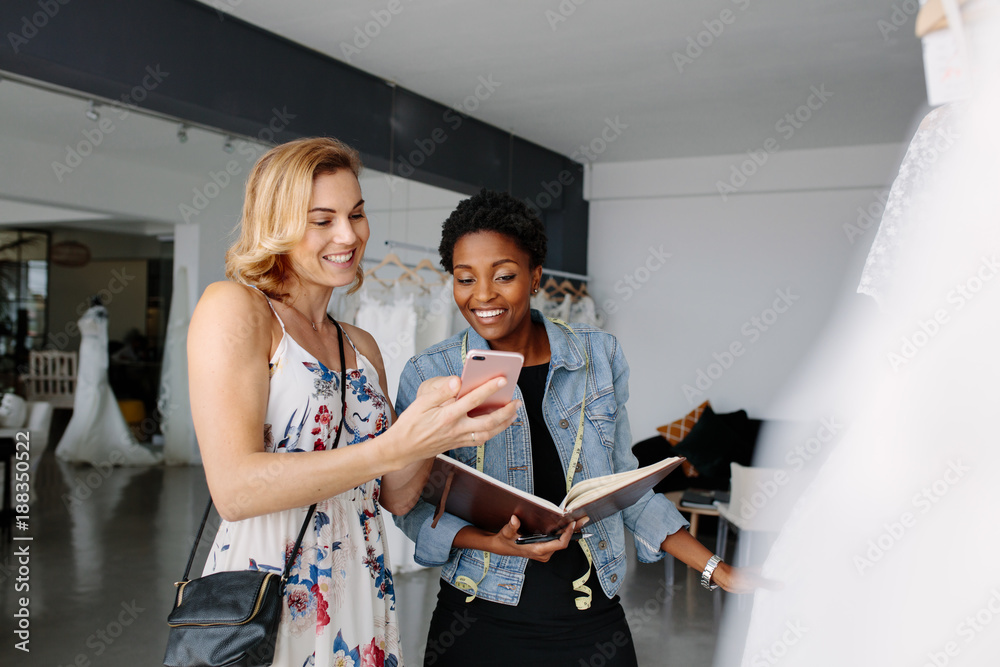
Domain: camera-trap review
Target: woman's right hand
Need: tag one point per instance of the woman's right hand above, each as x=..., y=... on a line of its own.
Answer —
x=505, y=543
x=436, y=422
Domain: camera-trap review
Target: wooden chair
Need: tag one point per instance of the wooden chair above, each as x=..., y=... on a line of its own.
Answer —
x=51, y=377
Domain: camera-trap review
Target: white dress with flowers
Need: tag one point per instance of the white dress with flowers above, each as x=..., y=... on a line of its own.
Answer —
x=340, y=606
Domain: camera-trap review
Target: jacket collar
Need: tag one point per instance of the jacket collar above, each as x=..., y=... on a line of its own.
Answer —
x=565, y=348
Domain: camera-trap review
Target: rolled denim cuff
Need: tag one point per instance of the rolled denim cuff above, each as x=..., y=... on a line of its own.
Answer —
x=434, y=544
x=658, y=519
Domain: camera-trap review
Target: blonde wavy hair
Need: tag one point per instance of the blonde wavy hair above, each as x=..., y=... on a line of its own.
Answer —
x=276, y=207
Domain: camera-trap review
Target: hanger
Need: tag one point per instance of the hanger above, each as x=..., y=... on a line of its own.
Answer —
x=425, y=264
x=933, y=16
x=408, y=274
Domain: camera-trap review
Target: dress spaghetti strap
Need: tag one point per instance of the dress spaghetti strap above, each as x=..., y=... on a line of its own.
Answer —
x=271, y=306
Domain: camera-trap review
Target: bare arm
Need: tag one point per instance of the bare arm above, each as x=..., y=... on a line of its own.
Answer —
x=228, y=345
x=683, y=546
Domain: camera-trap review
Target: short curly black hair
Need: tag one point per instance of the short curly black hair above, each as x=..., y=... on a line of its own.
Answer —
x=491, y=211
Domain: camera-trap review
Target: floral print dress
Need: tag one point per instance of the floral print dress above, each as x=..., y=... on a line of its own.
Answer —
x=340, y=606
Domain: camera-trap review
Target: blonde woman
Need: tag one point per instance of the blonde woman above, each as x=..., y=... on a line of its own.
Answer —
x=266, y=394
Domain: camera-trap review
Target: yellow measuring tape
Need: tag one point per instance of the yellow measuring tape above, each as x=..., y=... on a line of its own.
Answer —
x=580, y=585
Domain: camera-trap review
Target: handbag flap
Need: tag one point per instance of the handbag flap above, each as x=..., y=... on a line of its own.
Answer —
x=223, y=598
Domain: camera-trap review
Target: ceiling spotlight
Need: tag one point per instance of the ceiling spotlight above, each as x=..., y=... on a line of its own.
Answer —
x=228, y=146
x=182, y=133
x=91, y=112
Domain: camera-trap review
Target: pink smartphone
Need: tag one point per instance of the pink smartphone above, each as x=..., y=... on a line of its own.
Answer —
x=484, y=365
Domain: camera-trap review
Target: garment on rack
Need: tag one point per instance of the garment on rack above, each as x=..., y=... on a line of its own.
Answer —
x=435, y=315
x=393, y=325
x=404, y=318
x=97, y=433
x=584, y=311
x=173, y=402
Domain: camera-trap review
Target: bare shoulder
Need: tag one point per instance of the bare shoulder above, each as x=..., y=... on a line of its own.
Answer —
x=232, y=309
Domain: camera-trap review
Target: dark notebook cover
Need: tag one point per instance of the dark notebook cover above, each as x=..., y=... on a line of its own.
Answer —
x=489, y=503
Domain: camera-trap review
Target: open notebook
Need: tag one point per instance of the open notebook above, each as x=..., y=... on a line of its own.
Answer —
x=488, y=503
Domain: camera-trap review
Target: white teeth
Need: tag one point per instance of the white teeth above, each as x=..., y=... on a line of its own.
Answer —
x=340, y=259
x=488, y=313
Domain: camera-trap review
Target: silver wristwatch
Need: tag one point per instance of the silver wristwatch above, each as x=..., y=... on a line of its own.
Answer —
x=706, y=575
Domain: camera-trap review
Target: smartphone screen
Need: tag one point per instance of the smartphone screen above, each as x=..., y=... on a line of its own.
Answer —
x=485, y=365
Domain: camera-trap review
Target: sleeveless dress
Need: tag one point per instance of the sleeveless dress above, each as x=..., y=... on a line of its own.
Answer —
x=340, y=606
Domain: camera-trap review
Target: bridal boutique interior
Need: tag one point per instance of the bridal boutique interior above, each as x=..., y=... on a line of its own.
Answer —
x=712, y=179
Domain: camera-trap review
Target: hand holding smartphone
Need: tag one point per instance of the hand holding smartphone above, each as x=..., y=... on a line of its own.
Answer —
x=485, y=365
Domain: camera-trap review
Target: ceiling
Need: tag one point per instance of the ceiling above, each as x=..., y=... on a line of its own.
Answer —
x=564, y=67
x=562, y=71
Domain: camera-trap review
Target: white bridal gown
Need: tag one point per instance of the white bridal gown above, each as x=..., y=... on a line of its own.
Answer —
x=889, y=557
x=97, y=433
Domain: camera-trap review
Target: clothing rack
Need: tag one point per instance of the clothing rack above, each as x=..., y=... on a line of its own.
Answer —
x=433, y=251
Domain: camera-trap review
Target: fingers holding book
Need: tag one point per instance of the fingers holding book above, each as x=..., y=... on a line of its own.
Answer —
x=539, y=548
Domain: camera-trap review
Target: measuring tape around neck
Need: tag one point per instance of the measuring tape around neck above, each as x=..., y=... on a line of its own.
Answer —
x=580, y=585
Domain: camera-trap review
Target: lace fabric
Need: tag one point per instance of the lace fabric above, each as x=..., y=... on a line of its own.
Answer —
x=936, y=135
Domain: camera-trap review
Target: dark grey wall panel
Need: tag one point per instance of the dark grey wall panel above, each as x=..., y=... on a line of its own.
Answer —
x=189, y=61
x=439, y=145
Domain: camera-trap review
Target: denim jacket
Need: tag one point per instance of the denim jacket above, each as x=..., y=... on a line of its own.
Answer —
x=607, y=442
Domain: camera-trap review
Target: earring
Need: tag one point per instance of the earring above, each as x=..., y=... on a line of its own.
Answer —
x=534, y=291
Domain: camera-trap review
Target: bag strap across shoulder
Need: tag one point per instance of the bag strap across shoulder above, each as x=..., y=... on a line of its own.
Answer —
x=305, y=524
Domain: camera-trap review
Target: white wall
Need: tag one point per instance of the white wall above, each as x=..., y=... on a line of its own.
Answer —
x=791, y=230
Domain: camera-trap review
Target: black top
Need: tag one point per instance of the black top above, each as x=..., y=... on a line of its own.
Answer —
x=548, y=587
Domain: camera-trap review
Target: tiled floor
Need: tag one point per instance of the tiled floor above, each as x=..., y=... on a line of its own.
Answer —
x=108, y=545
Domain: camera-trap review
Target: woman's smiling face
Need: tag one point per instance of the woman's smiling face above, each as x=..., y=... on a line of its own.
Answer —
x=493, y=283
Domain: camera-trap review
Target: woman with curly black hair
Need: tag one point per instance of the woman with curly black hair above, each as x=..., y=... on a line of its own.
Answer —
x=550, y=603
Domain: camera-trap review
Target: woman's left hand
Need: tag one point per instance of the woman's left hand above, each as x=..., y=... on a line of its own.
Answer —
x=742, y=579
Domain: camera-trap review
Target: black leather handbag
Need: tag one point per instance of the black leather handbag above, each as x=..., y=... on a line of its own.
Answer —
x=230, y=619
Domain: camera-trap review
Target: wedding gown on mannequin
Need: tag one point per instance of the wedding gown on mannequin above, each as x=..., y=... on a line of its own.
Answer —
x=97, y=433
x=888, y=556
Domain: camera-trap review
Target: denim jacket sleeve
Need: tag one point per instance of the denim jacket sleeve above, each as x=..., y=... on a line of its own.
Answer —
x=433, y=545
x=653, y=517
